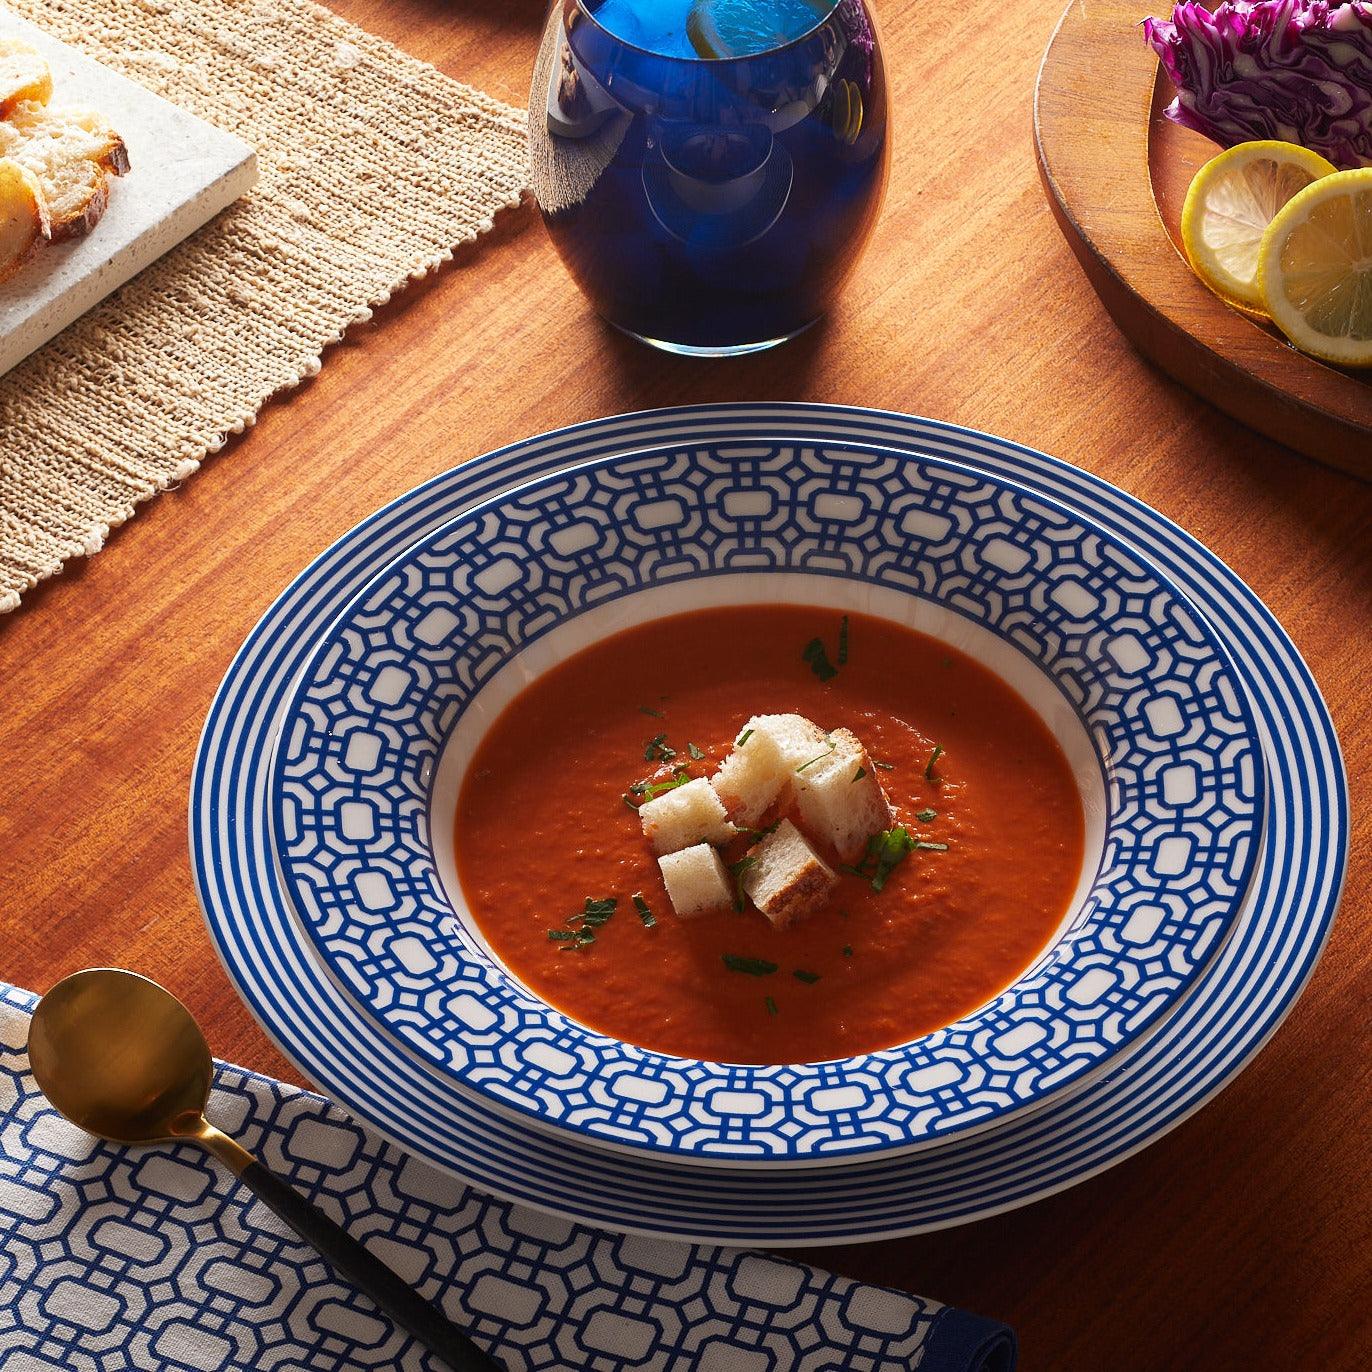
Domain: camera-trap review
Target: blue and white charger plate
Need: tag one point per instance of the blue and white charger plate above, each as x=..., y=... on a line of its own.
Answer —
x=1237, y=1004
x=1141, y=694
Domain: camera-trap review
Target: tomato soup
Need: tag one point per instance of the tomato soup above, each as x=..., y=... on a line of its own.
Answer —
x=545, y=823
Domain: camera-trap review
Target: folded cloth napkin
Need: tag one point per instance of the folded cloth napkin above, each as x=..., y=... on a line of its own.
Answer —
x=156, y=1258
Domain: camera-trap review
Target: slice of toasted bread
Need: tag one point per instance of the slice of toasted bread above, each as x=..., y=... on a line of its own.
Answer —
x=73, y=153
x=23, y=216
x=24, y=75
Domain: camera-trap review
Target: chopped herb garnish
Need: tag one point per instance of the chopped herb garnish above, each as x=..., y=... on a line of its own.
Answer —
x=752, y=967
x=843, y=641
x=759, y=834
x=927, y=816
x=847, y=950
x=770, y=1004
x=859, y=774
x=946, y=662
x=650, y=790
x=648, y=710
x=737, y=870
x=628, y=802
x=818, y=659
x=886, y=851
x=809, y=978
x=595, y=912
x=820, y=758
x=696, y=753
x=656, y=749
x=885, y=766
x=933, y=758
x=591, y=916
x=644, y=913
x=743, y=738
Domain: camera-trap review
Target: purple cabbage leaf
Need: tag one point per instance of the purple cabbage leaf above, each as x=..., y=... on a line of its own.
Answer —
x=1297, y=70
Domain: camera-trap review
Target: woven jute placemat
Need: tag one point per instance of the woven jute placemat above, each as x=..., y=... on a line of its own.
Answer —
x=374, y=168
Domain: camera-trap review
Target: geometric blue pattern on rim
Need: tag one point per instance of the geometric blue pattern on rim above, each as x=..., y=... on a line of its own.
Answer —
x=1238, y=1003
x=393, y=677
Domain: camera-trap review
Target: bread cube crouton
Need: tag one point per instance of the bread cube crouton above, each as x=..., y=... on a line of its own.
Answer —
x=697, y=880
x=762, y=764
x=840, y=799
x=788, y=879
x=684, y=816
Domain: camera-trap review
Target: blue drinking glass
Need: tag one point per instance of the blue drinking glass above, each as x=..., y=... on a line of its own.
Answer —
x=709, y=170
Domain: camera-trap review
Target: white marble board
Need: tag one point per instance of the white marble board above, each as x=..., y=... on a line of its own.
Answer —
x=183, y=171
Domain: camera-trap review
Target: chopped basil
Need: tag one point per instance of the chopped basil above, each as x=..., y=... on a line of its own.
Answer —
x=886, y=851
x=809, y=978
x=628, y=802
x=591, y=916
x=859, y=774
x=885, y=766
x=759, y=834
x=847, y=950
x=770, y=1004
x=814, y=760
x=843, y=641
x=737, y=870
x=648, y=710
x=650, y=790
x=933, y=758
x=644, y=913
x=743, y=738
x=696, y=753
x=752, y=967
x=656, y=749
x=814, y=654
x=927, y=816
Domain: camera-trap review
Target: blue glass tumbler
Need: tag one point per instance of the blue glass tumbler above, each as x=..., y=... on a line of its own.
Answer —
x=709, y=170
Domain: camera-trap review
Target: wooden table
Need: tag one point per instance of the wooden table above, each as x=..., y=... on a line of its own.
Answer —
x=1242, y=1239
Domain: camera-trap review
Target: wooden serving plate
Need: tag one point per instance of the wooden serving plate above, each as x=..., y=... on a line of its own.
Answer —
x=1116, y=172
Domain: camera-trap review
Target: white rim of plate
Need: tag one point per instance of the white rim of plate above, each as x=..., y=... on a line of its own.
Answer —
x=1240, y=1001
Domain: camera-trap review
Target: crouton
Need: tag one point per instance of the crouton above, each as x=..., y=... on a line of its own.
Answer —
x=24, y=75
x=787, y=879
x=23, y=216
x=687, y=815
x=840, y=799
x=760, y=769
x=697, y=880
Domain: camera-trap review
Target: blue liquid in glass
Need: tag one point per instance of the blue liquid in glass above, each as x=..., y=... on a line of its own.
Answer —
x=708, y=28
x=711, y=204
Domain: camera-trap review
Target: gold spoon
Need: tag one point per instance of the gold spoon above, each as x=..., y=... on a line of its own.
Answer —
x=123, y=1059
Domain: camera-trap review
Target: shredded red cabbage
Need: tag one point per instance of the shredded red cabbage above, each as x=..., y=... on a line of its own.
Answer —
x=1298, y=70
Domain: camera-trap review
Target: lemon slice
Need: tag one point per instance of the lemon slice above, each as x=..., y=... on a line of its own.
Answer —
x=1315, y=269
x=1230, y=203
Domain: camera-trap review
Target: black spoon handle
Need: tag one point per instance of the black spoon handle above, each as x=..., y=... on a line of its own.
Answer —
x=394, y=1297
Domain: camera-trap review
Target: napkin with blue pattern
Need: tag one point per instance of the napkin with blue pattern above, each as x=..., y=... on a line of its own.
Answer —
x=148, y=1259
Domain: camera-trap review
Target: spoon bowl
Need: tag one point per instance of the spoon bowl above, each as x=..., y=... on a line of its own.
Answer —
x=120, y=1056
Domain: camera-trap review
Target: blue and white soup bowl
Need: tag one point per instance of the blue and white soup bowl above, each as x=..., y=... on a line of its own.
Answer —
x=1125, y=673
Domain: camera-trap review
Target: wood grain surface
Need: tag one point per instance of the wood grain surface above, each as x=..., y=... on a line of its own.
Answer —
x=1242, y=1239
x=1109, y=162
